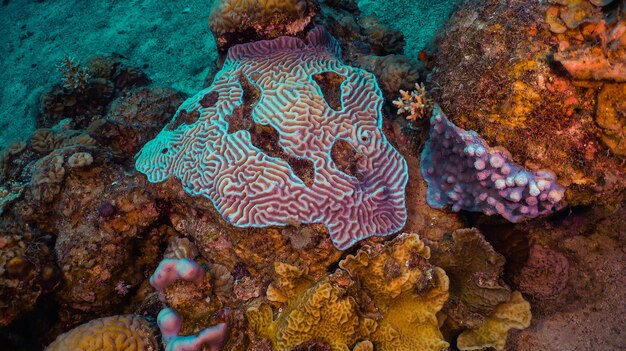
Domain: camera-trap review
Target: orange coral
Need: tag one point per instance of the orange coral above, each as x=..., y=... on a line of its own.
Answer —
x=415, y=104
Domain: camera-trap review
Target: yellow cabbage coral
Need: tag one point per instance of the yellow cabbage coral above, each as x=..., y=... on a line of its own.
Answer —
x=406, y=289
x=322, y=312
x=514, y=313
x=117, y=333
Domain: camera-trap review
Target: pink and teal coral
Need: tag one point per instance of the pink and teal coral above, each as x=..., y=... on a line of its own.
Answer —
x=167, y=273
x=463, y=171
x=253, y=189
x=173, y=269
x=170, y=323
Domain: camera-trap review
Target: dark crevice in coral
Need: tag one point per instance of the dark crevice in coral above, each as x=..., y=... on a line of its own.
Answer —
x=209, y=99
x=241, y=119
x=559, y=217
x=513, y=243
x=183, y=117
x=346, y=158
x=330, y=85
x=313, y=345
x=265, y=137
x=33, y=330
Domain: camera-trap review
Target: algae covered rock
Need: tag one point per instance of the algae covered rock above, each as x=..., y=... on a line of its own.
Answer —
x=235, y=21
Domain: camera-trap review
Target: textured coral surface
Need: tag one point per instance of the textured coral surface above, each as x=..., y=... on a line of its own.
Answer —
x=117, y=333
x=254, y=187
x=463, y=171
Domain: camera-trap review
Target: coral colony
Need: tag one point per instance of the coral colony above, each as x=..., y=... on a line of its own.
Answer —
x=252, y=189
x=262, y=194
x=463, y=171
x=168, y=272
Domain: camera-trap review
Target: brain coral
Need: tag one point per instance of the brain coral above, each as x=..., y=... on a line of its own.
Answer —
x=463, y=171
x=117, y=333
x=205, y=148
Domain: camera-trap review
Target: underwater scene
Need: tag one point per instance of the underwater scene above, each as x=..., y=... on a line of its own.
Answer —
x=312, y=175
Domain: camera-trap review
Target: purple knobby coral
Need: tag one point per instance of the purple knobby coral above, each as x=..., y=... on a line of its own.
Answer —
x=463, y=171
x=253, y=188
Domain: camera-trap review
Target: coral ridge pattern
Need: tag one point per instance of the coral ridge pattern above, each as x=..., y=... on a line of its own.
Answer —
x=253, y=189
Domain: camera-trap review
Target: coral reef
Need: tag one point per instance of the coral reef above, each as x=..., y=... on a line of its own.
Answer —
x=321, y=312
x=394, y=72
x=27, y=270
x=611, y=117
x=86, y=92
x=237, y=21
x=406, y=289
x=463, y=171
x=215, y=156
x=189, y=297
x=117, y=333
x=544, y=275
x=398, y=290
x=496, y=74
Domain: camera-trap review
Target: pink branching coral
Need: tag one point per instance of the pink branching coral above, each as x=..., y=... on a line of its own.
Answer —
x=168, y=272
x=173, y=269
x=414, y=105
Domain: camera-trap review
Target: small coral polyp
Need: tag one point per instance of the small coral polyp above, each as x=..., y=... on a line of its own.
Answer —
x=463, y=171
x=253, y=189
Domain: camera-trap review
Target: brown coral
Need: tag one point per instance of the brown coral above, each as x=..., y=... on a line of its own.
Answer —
x=386, y=295
x=474, y=268
x=406, y=289
x=544, y=275
x=611, y=117
x=126, y=332
x=506, y=87
x=234, y=21
x=27, y=270
x=513, y=314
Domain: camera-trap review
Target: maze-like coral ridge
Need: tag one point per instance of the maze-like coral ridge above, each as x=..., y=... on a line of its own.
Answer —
x=463, y=171
x=249, y=187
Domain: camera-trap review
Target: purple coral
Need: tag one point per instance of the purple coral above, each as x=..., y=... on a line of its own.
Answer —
x=170, y=322
x=173, y=269
x=463, y=171
x=253, y=189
